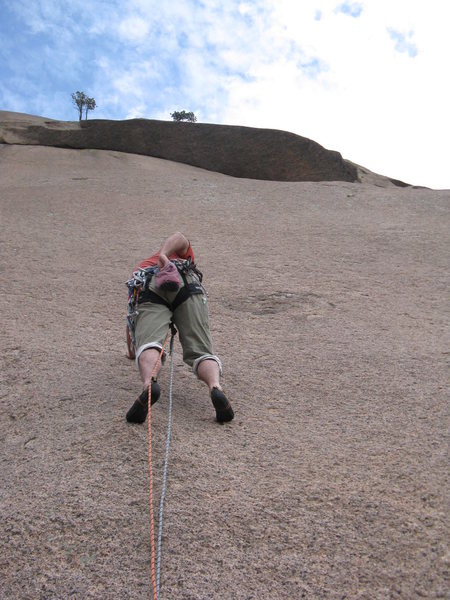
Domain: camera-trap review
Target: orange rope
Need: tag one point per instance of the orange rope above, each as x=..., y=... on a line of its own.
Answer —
x=150, y=472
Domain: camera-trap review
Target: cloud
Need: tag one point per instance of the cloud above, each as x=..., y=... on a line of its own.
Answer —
x=403, y=42
x=313, y=67
x=133, y=29
x=352, y=9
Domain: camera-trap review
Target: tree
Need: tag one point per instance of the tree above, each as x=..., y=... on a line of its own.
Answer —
x=183, y=116
x=81, y=101
x=90, y=105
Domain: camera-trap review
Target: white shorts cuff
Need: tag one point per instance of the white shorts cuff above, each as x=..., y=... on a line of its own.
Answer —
x=141, y=349
x=206, y=357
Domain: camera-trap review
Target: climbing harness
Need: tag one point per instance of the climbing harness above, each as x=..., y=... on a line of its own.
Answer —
x=155, y=552
x=139, y=290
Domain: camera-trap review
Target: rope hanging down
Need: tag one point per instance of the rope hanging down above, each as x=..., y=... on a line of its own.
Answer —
x=166, y=463
x=156, y=576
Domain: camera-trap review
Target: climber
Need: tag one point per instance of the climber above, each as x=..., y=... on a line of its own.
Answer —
x=167, y=289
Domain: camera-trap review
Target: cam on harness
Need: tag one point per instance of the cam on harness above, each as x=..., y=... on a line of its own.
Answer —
x=139, y=290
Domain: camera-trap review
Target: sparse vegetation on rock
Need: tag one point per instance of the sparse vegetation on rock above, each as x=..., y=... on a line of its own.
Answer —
x=183, y=116
x=82, y=102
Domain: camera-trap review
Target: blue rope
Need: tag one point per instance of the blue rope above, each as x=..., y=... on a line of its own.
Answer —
x=166, y=463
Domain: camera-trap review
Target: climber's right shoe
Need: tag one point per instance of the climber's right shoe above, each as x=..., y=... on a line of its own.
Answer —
x=138, y=412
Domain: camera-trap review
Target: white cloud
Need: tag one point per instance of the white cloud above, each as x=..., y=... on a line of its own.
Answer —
x=352, y=9
x=403, y=42
x=134, y=29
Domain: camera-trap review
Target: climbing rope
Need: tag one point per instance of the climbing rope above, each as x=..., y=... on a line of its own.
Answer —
x=166, y=463
x=156, y=555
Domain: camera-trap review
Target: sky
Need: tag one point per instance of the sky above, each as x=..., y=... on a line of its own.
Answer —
x=367, y=78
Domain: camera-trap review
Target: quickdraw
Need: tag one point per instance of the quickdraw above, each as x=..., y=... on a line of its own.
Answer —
x=139, y=282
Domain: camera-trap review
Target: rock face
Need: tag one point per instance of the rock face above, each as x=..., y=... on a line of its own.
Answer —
x=328, y=306
x=238, y=151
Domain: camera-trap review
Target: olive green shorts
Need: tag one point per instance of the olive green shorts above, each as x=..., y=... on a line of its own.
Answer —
x=190, y=318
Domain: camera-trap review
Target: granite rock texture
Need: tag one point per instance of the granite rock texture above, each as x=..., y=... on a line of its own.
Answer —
x=328, y=309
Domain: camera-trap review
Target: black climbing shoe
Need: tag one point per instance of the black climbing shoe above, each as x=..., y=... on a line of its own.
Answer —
x=138, y=412
x=224, y=412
